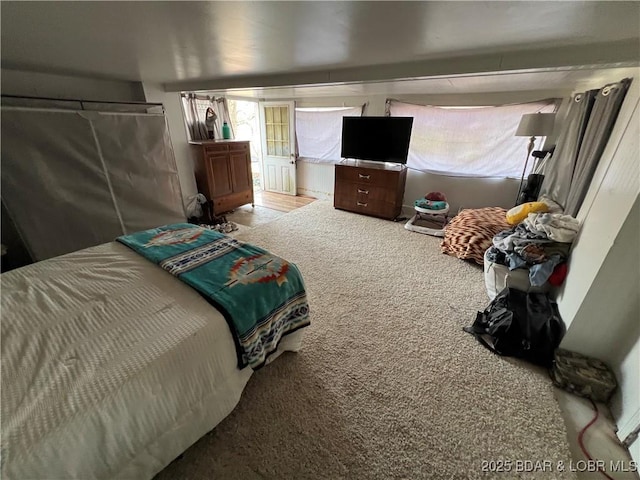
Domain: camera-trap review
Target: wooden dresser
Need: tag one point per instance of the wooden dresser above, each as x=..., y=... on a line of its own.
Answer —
x=369, y=188
x=223, y=173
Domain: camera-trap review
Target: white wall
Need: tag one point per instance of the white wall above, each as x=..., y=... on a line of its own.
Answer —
x=179, y=139
x=607, y=325
x=317, y=180
x=599, y=301
x=462, y=192
x=35, y=84
x=624, y=358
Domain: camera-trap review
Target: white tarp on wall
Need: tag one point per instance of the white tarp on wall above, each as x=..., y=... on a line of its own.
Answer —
x=74, y=179
x=468, y=141
x=319, y=132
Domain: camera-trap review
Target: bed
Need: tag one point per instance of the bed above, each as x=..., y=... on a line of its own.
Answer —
x=111, y=367
x=469, y=234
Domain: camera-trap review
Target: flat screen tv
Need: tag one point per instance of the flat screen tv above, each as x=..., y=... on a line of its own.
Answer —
x=381, y=139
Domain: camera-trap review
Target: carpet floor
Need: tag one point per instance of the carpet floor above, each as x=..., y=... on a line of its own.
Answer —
x=387, y=384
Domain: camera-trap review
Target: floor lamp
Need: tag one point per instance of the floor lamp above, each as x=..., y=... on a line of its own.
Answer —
x=533, y=125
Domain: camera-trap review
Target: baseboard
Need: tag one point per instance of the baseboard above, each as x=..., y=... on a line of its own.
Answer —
x=315, y=193
x=630, y=425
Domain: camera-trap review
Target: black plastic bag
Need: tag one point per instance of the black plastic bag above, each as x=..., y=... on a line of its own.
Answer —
x=520, y=324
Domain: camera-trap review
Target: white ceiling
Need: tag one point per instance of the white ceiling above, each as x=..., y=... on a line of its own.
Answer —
x=221, y=45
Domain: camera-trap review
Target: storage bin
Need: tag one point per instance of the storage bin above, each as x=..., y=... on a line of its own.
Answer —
x=497, y=277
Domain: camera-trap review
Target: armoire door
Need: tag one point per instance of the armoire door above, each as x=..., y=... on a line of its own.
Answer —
x=219, y=175
x=240, y=171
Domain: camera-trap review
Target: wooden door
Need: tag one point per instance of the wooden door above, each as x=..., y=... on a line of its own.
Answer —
x=219, y=173
x=277, y=122
x=241, y=178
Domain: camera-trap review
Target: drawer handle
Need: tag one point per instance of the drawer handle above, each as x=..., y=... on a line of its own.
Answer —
x=366, y=192
x=362, y=204
x=364, y=176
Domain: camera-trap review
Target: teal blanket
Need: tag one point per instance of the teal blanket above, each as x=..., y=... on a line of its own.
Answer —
x=430, y=204
x=261, y=296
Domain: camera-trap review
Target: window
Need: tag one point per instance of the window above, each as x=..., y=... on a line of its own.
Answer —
x=246, y=124
x=473, y=141
x=276, y=126
x=245, y=119
x=319, y=132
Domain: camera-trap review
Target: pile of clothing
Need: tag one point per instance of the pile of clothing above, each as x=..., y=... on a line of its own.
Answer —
x=224, y=227
x=540, y=243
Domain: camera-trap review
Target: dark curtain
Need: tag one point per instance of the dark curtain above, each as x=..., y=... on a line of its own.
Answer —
x=603, y=116
x=560, y=167
x=580, y=145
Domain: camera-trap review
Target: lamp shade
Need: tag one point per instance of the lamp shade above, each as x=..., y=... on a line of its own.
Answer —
x=536, y=125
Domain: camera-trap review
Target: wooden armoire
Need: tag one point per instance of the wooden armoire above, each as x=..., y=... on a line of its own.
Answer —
x=223, y=173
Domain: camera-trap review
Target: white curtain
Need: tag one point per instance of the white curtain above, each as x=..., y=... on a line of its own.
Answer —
x=195, y=116
x=195, y=111
x=221, y=108
x=319, y=132
x=469, y=141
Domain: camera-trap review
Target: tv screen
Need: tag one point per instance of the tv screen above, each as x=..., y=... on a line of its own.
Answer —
x=382, y=139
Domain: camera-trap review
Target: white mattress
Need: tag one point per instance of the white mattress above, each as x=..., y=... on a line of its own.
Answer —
x=111, y=367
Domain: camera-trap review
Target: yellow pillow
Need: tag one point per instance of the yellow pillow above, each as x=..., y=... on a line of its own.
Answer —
x=519, y=213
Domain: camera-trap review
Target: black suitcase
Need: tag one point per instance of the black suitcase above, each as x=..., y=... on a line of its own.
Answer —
x=520, y=324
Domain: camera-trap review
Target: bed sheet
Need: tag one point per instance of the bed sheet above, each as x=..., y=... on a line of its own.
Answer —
x=110, y=367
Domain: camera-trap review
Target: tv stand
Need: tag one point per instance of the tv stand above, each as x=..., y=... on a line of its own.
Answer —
x=370, y=188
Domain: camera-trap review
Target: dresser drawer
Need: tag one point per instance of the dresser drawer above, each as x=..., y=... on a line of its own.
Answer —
x=376, y=208
x=367, y=176
x=227, y=203
x=370, y=190
x=239, y=146
x=363, y=192
x=216, y=147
